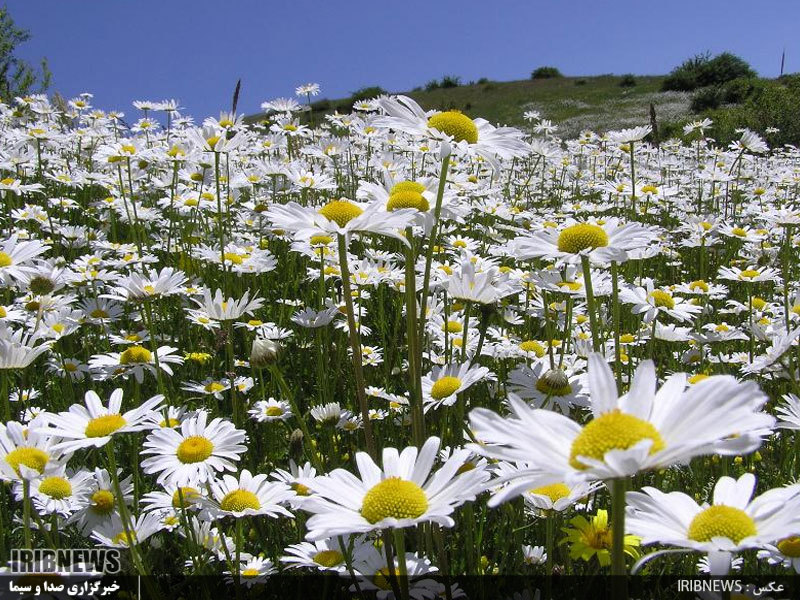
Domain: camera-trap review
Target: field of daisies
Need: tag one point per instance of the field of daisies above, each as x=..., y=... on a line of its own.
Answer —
x=395, y=346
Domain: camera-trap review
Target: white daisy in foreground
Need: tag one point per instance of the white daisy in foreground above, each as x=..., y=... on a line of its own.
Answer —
x=442, y=385
x=601, y=241
x=476, y=136
x=643, y=429
x=93, y=424
x=193, y=454
x=25, y=453
x=249, y=495
x=733, y=522
x=344, y=217
x=134, y=360
x=401, y=494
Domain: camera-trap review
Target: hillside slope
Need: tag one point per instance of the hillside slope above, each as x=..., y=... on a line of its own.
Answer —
x=573, y=103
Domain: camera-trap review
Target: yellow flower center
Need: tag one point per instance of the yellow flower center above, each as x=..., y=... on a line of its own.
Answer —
x=274, y=411
x=612, y=431
x=721, y=521
x=212, y=141
x=394, y=498
x=444, y=387
x=124, y=539
x=455, y=124
x=738, y=231
x=453, y=327
x=582, y=236
x=300, y=489
x=213, y=387
x=749, y=274
x=99, y=313
x=328, y=558
x=239, y=501
x=570, y=285
x=662, y=299
x=5, y=260
x=7, y=181
x=33, y=458
x=407, y=186
x=190, y=496
x=532, y=346
x=135, y=354
x=320, y=240
x=194, y=449
x=697, y=378
x=555, y=491
x=407, y=199
x=55, y=487
x=699, y=285
x=340, y=211
x=554, y=383
x=790, y=546
x=250, y=573
x=102, y=502
x=104, y=425
x=234, y=258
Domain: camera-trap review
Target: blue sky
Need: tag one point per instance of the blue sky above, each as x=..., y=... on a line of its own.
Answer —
x=122, y=50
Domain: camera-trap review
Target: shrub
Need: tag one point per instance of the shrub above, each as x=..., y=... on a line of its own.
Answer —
x=545, y=73
x=580, y=82
x=738, y=90
x=450, y=81
x=723, y=68
x=627, y=81
x=433, y=84
x=706, y=98
x=483, y=80
x=701, y=71
x=770, y=104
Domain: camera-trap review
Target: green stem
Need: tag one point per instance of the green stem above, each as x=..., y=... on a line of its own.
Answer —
x=590, y=307
x=355, y=346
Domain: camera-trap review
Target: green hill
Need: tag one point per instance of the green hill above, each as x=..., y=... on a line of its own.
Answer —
x=573, y=103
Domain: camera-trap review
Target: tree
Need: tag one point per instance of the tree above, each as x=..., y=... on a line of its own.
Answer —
x=17, y=77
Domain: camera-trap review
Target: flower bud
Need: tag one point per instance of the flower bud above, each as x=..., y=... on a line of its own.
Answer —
x=264, y=352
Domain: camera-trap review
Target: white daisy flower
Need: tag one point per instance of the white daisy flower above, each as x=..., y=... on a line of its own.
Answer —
x=643, y=429
x=401, y=494
x=734, y=521
x=442, y=385
x=92, y=425
x=249, y=495
x=192, y=455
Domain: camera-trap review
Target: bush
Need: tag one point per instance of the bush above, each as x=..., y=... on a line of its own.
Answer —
x=723, y=68
x=627, y=81
x=450, y=81
x=706, y=99
x=702, y=71
x=770, y=104
x=545, y=73
x=433, y=84
x=483, y=80
x=738, y=90
x=580, y=82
